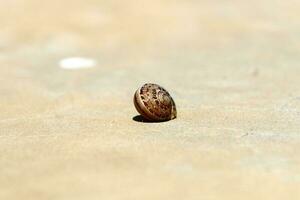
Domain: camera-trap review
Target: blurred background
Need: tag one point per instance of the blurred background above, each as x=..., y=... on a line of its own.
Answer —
x=145, y=37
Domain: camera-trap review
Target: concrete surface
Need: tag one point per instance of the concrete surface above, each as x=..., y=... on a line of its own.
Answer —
x=68, y=132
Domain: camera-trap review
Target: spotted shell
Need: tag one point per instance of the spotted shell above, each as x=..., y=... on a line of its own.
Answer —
x=154, y=103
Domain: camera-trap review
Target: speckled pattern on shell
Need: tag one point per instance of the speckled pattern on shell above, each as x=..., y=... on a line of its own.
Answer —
x=154, y=103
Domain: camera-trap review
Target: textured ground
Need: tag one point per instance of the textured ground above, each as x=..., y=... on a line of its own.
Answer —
x=231, y=66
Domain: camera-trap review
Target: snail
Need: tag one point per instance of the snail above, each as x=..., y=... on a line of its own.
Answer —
x=154, y=103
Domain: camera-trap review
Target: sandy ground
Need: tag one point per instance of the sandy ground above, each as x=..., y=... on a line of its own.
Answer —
x=231, y=66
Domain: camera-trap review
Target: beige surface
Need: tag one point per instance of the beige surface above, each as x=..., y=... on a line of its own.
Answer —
x=231, y=66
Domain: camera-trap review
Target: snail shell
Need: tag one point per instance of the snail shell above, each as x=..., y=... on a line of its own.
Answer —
x=154, y=103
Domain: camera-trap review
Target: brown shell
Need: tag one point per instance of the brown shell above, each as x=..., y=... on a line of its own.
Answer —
x=154, y=103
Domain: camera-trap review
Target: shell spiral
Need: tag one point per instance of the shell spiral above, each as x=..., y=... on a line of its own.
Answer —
x=154, y=103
